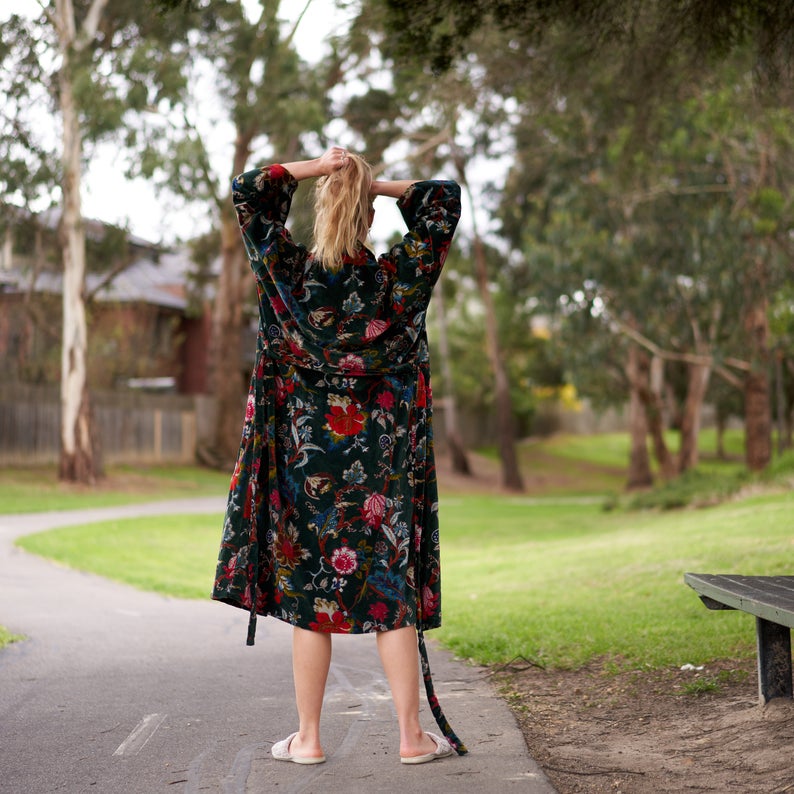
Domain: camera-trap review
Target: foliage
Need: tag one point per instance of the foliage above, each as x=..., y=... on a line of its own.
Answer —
x=642, y=35
x=28, y=171
x=692, y=488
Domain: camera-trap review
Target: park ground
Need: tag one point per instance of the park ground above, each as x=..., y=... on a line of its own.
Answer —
x=603, y=725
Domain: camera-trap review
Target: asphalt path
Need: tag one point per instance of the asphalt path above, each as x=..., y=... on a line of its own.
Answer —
x=120, y=691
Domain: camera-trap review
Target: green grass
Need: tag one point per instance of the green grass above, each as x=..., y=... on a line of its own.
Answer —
x=172, y=555
x=38, y=489
x=548, y=576
x=6, y=637
x=557, y=581
x=612, y=449
x=566, y=584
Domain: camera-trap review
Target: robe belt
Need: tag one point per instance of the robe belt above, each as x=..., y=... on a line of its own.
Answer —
x=318, y=365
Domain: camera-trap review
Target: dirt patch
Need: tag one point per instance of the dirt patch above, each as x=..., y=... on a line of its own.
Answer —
x=646, y=732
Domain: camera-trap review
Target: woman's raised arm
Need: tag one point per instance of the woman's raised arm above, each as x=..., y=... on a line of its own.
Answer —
x=331, y=160
x=391, y=189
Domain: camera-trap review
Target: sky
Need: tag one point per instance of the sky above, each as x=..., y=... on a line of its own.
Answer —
x=108, y=195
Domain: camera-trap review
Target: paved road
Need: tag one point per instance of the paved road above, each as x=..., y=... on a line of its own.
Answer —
x=124, y=692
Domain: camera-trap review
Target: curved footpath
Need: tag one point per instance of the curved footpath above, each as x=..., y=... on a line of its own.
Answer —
x=125, y=692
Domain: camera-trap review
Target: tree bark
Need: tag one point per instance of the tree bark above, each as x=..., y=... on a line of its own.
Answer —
x=78, y=461
x=639, y=475
x=651, y=389
x=511, y=473
x=780, y=403
x=457, y=450
x=757, y=402
x=228, y=378
x=698, y=382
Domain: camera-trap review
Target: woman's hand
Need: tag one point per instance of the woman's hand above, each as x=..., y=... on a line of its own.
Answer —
x=331, y=160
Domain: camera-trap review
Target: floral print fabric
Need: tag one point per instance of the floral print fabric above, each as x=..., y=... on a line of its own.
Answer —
x=331, y=522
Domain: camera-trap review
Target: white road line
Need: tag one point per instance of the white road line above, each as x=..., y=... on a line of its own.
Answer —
x=141, y=734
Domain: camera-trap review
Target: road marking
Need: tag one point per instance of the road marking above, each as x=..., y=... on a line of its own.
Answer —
x=141, y=734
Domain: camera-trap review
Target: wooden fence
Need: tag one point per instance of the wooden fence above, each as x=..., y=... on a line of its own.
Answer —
x=133, y=427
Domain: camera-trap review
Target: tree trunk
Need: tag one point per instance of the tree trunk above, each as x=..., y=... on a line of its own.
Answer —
x=511, y=474
x=780, y=402
x=457, y=451
x=228, y=377
x=651, y=388
x=757, y=403
x=639, y=475
x=698, y=377
x=78, y=462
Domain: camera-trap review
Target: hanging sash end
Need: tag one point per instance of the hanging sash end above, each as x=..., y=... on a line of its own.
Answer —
x=441, y=720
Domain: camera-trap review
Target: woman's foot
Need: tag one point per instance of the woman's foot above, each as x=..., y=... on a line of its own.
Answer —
x=429, y=749
x=291, y=749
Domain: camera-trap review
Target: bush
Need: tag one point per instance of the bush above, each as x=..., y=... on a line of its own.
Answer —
x=693, y=488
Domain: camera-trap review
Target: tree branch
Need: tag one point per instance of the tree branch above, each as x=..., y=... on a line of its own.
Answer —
x=687, y=358
x=90, y=25
x=672, y=190
x=431, y=143
x=108, y=278
x=294, y=30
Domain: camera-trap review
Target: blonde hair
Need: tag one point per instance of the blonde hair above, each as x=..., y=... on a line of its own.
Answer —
x=343, y=208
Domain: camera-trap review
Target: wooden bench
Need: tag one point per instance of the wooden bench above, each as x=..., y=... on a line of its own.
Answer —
x=771, y=600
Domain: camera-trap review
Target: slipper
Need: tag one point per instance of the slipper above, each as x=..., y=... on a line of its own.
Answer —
x=443, y=749
x=280, y=751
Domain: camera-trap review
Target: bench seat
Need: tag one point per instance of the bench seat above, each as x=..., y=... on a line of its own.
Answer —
x=771, y=600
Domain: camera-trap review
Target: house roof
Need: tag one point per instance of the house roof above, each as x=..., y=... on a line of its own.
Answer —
x=156, y=276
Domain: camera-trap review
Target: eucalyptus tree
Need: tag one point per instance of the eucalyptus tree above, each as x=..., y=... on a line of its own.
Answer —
x=646, y=38
x=98, y=62
x=469, y=121
x=676, y=242
x=247, y=74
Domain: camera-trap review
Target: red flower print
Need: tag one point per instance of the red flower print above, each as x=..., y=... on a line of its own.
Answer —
x=345, y=421
x=429, y=602
x=288, y=549
x=278, y=305
x=344, y=561
x=375, y=328
x=385, y=400
x=379, y=611
x=250, y=406
x=421, y=391
x=352, y=364
x=330, y=623
x=283, y=388
x=373, y=510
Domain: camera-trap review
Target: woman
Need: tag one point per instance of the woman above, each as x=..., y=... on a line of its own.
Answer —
x=331, y=522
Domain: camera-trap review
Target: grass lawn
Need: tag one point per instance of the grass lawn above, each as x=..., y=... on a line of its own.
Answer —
x=559, y=581
x=38, y=489
x=563, y=584
x=549, y=576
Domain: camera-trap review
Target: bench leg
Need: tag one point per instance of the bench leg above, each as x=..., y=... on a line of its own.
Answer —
x=774, y=660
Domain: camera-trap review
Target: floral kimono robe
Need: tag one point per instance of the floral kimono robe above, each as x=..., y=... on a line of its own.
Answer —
x=331, y=522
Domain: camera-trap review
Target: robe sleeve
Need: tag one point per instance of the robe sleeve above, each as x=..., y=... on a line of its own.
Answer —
x=431, y=211
x=262, y=199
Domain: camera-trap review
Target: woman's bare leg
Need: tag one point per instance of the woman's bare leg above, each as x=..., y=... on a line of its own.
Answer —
x=400, y=658
x=311, y=659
